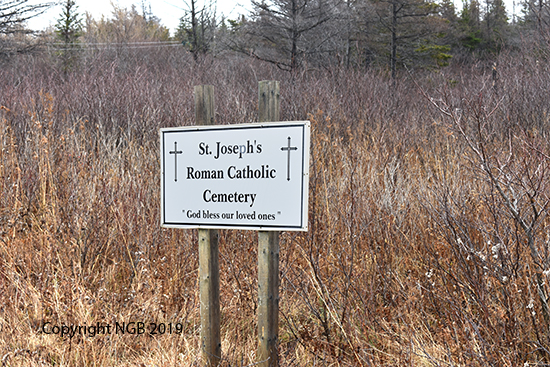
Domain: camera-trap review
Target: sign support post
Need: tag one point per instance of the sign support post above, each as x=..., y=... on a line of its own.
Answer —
x=209, y=277
x=242, y=176
x=268, y=254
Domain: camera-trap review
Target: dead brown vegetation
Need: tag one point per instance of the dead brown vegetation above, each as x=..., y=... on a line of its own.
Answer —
x=413, y=257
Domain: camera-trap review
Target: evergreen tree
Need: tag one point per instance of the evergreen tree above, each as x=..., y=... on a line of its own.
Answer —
x=485, y=32
x=470, y=25
x=413, y=30
x=68, y=30
x=495, y=28
x=451, y=36
x=366, y=35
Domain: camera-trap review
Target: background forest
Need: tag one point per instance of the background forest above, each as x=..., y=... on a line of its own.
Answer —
x=429, y=235
x=295, y=35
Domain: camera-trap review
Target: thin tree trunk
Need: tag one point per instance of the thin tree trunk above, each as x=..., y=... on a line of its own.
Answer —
x=394, y=41
x=194, y=40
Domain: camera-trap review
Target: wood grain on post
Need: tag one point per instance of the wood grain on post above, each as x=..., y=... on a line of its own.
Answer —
x=209, y=273
x=268, y=254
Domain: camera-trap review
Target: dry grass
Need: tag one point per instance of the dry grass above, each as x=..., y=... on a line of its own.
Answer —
x=399, y=266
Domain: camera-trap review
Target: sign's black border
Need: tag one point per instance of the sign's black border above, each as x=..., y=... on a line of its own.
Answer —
x=192, y=129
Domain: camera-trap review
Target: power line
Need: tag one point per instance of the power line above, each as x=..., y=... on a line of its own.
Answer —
x=122, y=43
x=106, y=45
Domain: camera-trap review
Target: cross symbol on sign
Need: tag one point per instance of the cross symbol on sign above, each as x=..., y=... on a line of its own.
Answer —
x=288, y=148
x=175, y=152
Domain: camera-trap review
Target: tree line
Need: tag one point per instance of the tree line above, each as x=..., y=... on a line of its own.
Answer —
x=298, y=34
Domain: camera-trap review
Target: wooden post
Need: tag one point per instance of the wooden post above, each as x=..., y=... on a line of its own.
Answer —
x=268, y=255
x=209, y=272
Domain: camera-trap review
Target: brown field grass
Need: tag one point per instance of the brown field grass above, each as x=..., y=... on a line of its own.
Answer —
x=428, y=241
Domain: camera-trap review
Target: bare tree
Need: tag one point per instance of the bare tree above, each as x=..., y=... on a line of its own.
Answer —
x=503, y=233
x=537, y=18
x=289, y=32
x=13, y=15
x=125, y=26
x=406, y=22
x=197, y=28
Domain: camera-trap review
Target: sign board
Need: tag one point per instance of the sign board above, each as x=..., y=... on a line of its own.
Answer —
x=250, y=176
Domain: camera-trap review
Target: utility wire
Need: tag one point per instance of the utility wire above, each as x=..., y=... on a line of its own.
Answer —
x=132, y=45
x=121, y=43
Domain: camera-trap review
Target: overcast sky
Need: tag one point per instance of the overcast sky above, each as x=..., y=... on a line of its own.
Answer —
x=169, y=11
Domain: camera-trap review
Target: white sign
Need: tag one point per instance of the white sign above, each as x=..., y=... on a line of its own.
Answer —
x=252, y=176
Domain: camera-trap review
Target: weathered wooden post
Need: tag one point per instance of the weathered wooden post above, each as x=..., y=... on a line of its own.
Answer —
x=268, y=254
x=209, y=278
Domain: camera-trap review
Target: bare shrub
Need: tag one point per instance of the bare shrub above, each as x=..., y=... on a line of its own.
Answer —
x=428, y=240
